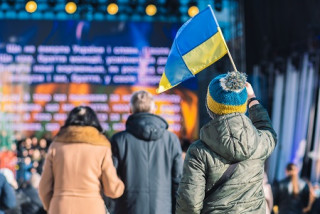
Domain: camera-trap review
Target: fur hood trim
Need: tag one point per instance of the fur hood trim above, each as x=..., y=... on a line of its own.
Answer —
x=82, y=134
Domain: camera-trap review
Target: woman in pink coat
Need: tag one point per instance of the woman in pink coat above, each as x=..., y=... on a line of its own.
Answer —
x=79, y=168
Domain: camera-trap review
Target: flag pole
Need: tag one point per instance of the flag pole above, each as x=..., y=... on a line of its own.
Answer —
x=229, y=54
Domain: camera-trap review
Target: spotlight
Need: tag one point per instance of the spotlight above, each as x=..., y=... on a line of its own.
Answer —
x=71, y=7
x=151, y=9
x=112, y=7
x=31, y=6
x=193, y=9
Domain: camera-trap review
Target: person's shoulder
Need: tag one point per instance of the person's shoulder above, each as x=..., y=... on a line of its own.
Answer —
x=200, y=152
x=171, y=134
x=198, y=147
x=55, y=144
x=119, y=136
x=170, y=138
x=197, y=144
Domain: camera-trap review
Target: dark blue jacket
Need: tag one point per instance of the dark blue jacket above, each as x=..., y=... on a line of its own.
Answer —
x=148, y=160
x=287, y=202
x=7, y=195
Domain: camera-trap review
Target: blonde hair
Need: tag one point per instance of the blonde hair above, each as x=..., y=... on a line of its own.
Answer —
x=141, y=101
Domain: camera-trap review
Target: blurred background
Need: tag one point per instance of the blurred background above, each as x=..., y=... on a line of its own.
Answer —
x=55, y=55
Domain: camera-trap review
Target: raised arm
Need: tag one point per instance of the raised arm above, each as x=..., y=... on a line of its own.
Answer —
x=261, y=120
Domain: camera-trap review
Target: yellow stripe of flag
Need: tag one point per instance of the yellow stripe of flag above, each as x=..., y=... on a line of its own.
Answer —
x=206, y=54
x=164, y=84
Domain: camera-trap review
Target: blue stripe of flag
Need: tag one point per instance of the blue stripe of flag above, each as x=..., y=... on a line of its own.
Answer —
x=175, y=69
x=189, y=36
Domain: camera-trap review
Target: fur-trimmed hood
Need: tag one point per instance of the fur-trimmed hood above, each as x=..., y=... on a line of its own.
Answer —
x=82, y=134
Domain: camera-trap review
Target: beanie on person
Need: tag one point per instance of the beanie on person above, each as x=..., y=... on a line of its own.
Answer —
x=227, y=93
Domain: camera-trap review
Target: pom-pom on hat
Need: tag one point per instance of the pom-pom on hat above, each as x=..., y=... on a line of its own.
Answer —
x=227, y=93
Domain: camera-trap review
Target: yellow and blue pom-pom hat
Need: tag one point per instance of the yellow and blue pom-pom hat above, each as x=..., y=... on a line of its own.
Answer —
x=227, y=93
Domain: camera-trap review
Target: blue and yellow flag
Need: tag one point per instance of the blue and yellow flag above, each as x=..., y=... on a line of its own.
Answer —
x=198, y=44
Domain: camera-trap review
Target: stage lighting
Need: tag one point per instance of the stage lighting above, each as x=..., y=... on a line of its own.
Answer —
x=193, y=9
x=31, y=6
x=151, y=9
x=112, y=7
x=71, y=7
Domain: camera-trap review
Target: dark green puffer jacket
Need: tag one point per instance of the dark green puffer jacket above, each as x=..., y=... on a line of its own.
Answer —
x=226, y=139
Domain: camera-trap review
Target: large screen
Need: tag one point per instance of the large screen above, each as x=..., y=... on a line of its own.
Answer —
x=49, y=67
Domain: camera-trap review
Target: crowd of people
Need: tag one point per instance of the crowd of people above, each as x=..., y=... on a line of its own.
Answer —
x=145, y=168
x=21, y=164
x=31, y=153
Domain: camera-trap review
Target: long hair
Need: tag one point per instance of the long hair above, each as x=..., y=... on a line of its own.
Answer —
x=83, y=116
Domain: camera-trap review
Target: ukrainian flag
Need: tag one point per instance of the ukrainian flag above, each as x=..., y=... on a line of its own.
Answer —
x=198, y=44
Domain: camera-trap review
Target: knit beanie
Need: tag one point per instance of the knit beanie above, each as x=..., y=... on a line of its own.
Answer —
x=227, y=93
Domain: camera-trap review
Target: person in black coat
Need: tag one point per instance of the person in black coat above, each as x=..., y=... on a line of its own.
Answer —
x=7, y=196
x=315, y=207
x=291, y=194
x=148, y=160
